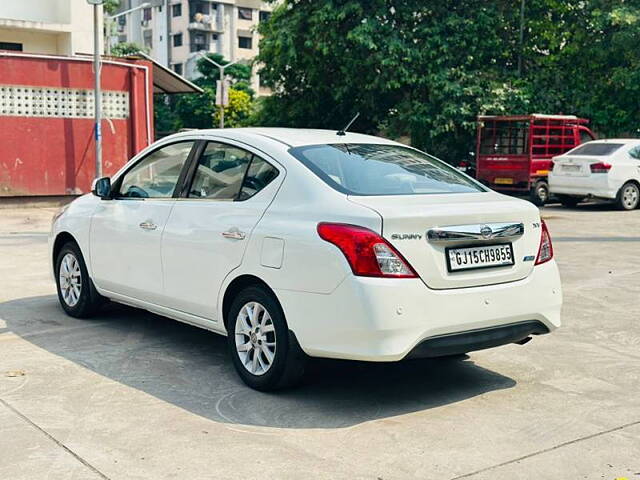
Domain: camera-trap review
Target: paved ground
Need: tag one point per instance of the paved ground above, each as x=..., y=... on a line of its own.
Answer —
x=131, y=395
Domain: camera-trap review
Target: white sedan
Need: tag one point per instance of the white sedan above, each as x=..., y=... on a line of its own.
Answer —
x=607, y=169
x=298, y=243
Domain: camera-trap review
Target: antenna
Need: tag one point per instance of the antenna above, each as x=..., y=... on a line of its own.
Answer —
x=342, y=132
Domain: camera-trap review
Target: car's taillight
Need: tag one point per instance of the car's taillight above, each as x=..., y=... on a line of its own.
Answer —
x=600, y=167
x=545, y=251
x=368, y=254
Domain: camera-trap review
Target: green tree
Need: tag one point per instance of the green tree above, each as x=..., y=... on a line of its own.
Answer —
x=426, y=68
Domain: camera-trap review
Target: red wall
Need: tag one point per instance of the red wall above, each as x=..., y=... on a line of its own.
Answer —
x=56, y=156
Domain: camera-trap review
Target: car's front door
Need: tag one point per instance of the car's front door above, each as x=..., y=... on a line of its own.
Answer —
x=126, y=231
x=208, y=230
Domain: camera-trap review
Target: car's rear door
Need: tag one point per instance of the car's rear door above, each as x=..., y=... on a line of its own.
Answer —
x=229, y=188
x=126, y=231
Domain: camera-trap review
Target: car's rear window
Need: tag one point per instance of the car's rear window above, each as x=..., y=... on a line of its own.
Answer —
x=596, y=149
x=372, y=169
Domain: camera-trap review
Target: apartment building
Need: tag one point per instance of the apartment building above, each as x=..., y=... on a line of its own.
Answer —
x=177, y=31
x=62, y=27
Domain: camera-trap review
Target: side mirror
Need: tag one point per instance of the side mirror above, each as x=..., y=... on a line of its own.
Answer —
x=102, y=187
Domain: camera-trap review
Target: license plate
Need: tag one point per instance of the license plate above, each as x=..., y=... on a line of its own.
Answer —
x=571, y=168
x=503, y=181
x=485, y=256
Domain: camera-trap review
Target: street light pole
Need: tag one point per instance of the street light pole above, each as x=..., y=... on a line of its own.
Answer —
x=97, y=98
x=221, y=69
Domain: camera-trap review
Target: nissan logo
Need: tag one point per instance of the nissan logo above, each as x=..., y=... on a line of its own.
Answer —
x=486, y=231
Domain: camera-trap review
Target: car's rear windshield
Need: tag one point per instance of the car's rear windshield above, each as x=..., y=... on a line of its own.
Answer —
x=596, y=149
x=373, y=169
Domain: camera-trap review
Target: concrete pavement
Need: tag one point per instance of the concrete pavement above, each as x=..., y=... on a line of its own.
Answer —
x=130, y=395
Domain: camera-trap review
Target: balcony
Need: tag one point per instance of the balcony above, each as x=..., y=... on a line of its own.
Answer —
x=205, y=23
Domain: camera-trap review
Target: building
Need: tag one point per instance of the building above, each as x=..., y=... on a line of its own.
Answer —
x=175, y=31
x=59, y=27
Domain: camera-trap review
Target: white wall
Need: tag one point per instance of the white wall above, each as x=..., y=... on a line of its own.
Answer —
x=63, y=27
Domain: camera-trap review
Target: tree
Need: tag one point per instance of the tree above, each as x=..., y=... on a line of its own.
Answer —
x=427, y=68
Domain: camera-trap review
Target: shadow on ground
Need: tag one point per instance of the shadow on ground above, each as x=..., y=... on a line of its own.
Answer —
x=189, y=368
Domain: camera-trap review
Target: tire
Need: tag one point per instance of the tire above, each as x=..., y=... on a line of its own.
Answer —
x=569, y=201
x=76, y=292
x=265, y=353
x=628, y=196
x=539, y=194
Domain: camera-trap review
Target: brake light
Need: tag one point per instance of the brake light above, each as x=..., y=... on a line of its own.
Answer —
x=368, y=254
x=600, y=167
x=545, y=251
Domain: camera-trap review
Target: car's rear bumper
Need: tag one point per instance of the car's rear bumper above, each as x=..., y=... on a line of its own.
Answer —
x=479, y=339
x=385, y=319
x=595, y=186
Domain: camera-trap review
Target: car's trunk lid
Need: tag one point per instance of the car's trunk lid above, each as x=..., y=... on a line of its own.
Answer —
x=574, y=166
x=406, y=219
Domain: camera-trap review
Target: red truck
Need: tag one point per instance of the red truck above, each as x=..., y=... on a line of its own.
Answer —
x=513, y=153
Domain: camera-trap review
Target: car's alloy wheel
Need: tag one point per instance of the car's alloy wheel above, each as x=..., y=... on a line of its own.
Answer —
x=76, y=291
x=629, y=196
x=70, y=278
x=255, y=338
x=264, y=352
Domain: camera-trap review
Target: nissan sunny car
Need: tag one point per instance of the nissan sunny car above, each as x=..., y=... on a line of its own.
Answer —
x=309, y=243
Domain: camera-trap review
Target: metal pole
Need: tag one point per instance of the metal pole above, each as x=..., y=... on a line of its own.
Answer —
x=97, y=93
x=221, y=96
x=221, y=69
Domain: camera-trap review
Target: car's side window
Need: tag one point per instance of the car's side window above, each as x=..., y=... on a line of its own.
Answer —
x=157, y=174
x=259, y=175
x=219, y=173
x=635, y=152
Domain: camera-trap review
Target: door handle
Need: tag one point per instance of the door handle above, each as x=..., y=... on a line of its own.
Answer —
x=148, y=225
x=234, y=234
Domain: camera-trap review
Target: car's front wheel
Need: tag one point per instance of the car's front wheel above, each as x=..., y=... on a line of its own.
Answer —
x=264, y=352
x=76, y=292
x=628, y=196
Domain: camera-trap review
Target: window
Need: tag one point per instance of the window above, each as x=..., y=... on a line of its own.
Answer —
x=220, y=172
x=245, y=14
x=146, y=14
x=156, y=175
x=264, y=16
x=259, y=175
x=177, y=40
x=635, y=152
x=214, y=36
x=176, y=10
x=17, y=47
x=596, y=149
x=177, y=67
x=370, y=169
x=244, y=42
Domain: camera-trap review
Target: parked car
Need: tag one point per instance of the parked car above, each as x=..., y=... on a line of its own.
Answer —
x=606, y=169
x=514, y=152
x=298, y=243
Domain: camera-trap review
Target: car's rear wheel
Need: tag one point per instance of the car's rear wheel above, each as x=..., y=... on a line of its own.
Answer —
x=264, y=352
x=76, y=292
x=569, y=201
x=539, y=194
x=628, y=196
